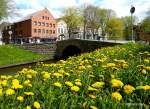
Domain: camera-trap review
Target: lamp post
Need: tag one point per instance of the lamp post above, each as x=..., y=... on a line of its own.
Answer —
x=132, y=10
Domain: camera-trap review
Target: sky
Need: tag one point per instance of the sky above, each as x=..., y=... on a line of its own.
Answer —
x=121, y=7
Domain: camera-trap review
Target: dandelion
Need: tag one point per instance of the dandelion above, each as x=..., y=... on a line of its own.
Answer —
x=116, y=83
x=20, y=98
x=92, y=96
x=46, y=75
x=146, y=61
x=128, y=89
x=78, y=83
x=1, y=92
x=75, y=88
x=117, y=96
x=29, y=76
x=15, y=84
x=29, y=93
x=91, y=89
x=4, y=82
x=144, y=71
x=98, y=84
x=28, y=107
x=10, y=92
x=57, y=75
x=93, y=107
x=57, y=84
x=36, y=105
x=146, y=87
x=68, y=83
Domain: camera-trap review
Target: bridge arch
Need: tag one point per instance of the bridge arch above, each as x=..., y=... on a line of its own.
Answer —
x=71, y=50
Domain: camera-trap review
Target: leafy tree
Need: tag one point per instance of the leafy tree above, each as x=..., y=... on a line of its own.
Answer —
x=127, y=31
x=115, y=28
x=104, y=16
x=7, y=7
x=72, y=19
x=90, y=20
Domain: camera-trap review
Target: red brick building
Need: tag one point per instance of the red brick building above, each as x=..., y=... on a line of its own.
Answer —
x=37, y=27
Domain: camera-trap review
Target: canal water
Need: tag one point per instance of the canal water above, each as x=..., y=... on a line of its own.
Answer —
x=14, y=70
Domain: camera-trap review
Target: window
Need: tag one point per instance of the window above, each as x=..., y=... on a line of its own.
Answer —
x=39, y=30
x=39, y=23
x=50, y=31
x=47, y=18
x=43, y=17
x=43, y=24
x=53, y=31
x=54, y=25
x=34, y=23
x=43, y=31
x=47, y=24
x=47, y=31
x=50, y=25
x=35, y=30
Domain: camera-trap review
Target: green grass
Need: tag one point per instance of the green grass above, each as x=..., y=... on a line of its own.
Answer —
x=10, y=54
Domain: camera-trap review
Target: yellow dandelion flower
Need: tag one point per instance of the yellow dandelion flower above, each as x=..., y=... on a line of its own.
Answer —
x=116, y=83
x=128, y=89
x=78, y=83
x=92, y=96
x=117, y=96
x=20, y=98
x=77, y=80
x=93, y=107
x=58, y=75
x=75, y=88
x=46, y=75
x=58, y=84
x=109, y=65
x=1, y=92
x=29, y=93
x=98, y=84
x=28, y=107
x=10, y=92
x=4, y=82
x=36, y=105
x=29, y=76
x=92, y=89
x=146, y=87
x=68, y=83
x=146, y=61
x=144, y=71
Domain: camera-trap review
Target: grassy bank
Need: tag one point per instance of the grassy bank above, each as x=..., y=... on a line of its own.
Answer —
x=110, y=78
x=12, y=55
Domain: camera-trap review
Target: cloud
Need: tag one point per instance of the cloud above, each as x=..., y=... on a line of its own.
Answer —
x=121, y=7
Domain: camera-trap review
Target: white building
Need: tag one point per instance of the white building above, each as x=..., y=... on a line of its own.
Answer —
x=78, y=33
x=62, y=33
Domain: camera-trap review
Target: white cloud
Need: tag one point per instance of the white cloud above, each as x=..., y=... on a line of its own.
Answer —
x=121, y=7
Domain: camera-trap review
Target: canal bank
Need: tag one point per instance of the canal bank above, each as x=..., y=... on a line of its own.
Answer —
x=13, y=69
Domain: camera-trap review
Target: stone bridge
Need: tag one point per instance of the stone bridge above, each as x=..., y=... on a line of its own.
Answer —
x=73, y=47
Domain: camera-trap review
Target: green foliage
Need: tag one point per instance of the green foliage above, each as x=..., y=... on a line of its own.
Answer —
x=12, y=55
x=3, y=9
x=146, y=25
x=115, y=28
x=72, y=19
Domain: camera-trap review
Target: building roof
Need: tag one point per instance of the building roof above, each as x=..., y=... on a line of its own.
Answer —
x=33, y=15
